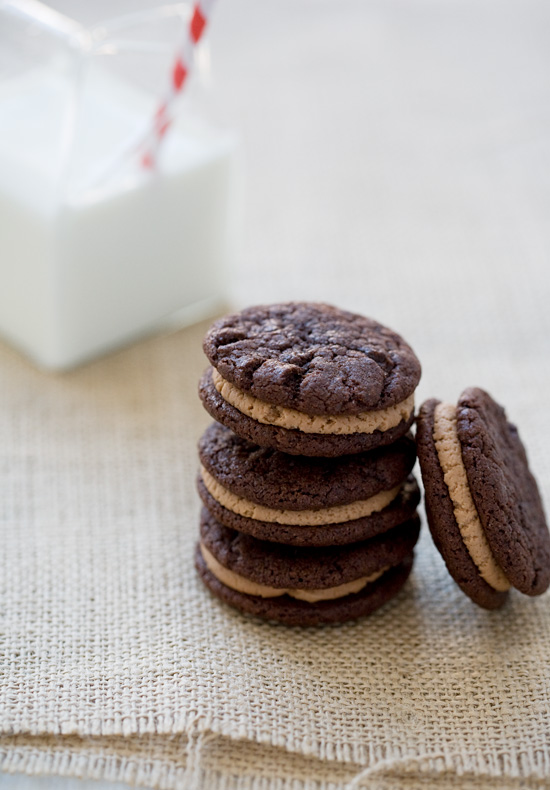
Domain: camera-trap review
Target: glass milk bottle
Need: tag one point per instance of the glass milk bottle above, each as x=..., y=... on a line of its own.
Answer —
x=95, y=247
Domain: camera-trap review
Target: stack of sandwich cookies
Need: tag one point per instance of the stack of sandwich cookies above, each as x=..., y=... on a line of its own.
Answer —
x=309, y=379
x=483, y=505
x=309, y=503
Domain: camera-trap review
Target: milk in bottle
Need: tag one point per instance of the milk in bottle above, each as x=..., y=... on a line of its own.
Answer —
x=94, y=248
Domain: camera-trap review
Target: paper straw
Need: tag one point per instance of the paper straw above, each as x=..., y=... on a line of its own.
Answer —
x=178, y=78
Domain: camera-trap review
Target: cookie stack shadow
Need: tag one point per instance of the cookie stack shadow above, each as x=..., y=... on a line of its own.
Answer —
x=324, y=531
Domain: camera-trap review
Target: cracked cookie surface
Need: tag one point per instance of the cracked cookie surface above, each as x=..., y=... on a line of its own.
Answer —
x=313, y=358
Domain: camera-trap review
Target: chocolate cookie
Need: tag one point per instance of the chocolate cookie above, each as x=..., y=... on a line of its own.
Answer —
x=309, y=379
x=293, y=612
x=482, y=502
x=293, y=442
x=305, y=501
x=401, y=509
x=314, y=578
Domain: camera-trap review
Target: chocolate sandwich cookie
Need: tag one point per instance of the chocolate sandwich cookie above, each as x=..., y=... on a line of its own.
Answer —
x=483, y=505
x=309, y=379
x=304, y=586
x=306, y=501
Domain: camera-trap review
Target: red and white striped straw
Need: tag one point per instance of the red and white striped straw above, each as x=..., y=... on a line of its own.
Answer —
x=178, y=78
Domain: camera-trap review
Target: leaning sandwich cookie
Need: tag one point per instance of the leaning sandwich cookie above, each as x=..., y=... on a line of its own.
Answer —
x=306, y=501
x=299, y=586
x=309, y=379
x=483, y=505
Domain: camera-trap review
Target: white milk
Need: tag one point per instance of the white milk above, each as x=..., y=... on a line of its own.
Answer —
x=91, y=253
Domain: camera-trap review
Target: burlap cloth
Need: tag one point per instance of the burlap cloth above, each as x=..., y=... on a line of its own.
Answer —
x=427, y=210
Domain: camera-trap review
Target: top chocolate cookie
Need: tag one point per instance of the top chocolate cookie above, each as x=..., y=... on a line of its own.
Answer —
x=309, y=379
x=313, y=358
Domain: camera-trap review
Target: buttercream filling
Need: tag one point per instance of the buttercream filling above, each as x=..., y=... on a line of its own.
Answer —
x=336, y=514
x=239, y=583
x=447, y=445
x=292, y=419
